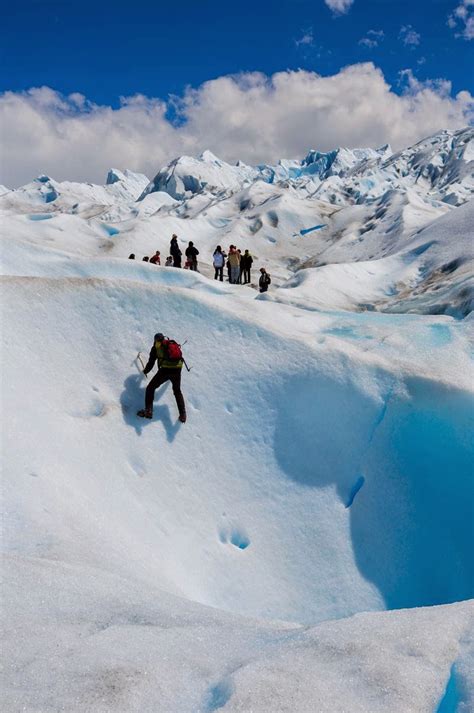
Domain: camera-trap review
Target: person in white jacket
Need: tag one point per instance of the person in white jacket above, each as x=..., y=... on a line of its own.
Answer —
x=218, y=260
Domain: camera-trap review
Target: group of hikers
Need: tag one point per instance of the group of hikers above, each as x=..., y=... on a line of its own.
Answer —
x=174, y=260
x=154, y=259
x=238, y=264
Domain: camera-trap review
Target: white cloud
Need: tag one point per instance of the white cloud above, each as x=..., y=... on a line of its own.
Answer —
x=339, y=7
x=251, y=117
x=409, y=37
x=372, y=38
x=306, y=39
x=368, y=42
x=462, y=18
x=441, y=87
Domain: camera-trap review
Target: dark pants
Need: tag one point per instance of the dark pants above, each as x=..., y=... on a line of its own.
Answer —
x=246, y=272
x=176, y=260
x=219, y=273
x=173, y=375
x=193, y=265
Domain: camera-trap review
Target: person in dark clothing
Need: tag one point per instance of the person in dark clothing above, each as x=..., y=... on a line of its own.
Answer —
x=264, y=280
x=145, y=258
x=175, y=251
x=246, y=263
x=192, y=253
x=167, y=371
x=131, y=256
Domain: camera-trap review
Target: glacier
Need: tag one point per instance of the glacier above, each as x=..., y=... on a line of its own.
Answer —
x=304, y=542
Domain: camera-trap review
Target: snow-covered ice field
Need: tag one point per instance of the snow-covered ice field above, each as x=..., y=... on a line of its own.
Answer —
x=304, y=542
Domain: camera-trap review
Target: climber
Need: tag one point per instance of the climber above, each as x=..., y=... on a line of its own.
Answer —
x=170, y=360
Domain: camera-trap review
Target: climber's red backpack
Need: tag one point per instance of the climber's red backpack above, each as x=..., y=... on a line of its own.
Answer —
x=172, y=350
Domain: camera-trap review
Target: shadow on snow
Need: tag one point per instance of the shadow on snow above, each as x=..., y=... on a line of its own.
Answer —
x=132, y=399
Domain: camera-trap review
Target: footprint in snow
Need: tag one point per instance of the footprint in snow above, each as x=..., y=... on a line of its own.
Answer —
x=234, y=536
x=218, y=695
x=96, y=409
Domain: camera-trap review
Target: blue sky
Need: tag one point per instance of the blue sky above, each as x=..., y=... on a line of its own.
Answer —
x=91, y=84
x=107, y=49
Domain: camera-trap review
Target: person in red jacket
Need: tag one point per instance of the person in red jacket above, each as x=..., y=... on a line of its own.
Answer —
x=156, y=259
x=168, y=370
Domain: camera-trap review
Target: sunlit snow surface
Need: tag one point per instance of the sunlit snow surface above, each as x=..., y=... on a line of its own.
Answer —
x=247, y=560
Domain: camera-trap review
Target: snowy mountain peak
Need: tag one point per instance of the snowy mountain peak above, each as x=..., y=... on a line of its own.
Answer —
x=385, y=150
x=440, y=164
x=113, y=176
x=209, y=157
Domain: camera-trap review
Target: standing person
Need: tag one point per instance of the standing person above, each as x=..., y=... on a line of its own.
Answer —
x=192, y=253
x=234, y=262
x=264, y=280
x=239, y=280
x=246, y=263
x=218, y=260
x=170, y=363
x=175, y=251
x=156, y=259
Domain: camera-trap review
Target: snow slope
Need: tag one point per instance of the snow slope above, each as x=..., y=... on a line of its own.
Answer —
x=431, y=273
x=304, y=541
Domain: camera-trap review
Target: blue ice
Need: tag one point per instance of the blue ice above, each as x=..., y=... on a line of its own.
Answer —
x=354, y=490
x=451, y=698
x=40, y=216
x=319, y=163
x=219, y=695
x=110, y=230
x=315, y=227
x=346, y=331
x=440, y=335
x=412, y=530
x=50, y=196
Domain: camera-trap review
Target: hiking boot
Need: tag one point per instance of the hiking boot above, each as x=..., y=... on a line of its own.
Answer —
x=182, y=417
x=145, y=413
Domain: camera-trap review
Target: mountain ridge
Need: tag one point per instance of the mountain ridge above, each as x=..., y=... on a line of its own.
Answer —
x=348, y=206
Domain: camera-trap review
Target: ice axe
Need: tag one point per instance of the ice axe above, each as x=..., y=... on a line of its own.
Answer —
x=139, y=357
x=187, y=367
x=184, y=360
